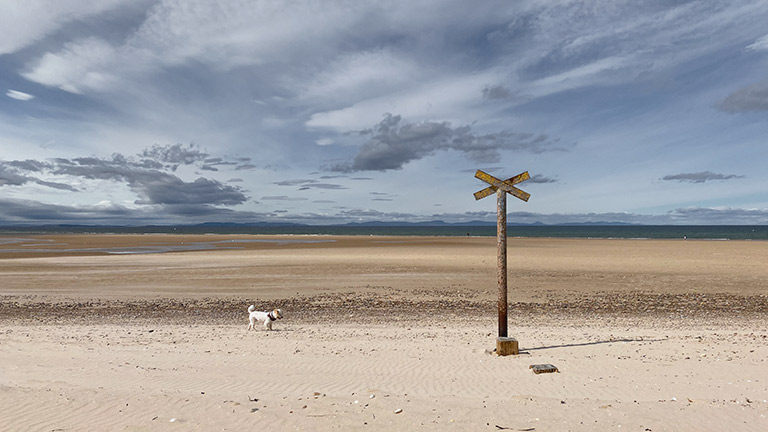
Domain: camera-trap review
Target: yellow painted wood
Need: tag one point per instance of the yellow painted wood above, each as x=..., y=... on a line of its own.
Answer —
x=506, y=185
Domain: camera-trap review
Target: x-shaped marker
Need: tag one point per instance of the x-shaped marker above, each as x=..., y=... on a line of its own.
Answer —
x=505, y=185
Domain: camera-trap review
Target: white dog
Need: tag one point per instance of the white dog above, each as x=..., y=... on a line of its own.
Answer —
x=255, y=316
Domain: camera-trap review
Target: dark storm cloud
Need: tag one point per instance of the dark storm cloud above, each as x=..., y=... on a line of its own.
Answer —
x=700, y=177
x=750, y=98
x=393, y=143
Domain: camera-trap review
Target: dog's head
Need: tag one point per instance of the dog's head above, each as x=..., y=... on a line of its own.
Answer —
x=251, y=308
x=278, y=313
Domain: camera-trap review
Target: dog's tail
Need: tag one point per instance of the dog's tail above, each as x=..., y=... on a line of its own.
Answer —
x=251, y=308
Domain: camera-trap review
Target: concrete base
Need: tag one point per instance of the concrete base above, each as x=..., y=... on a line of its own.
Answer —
x=507, y=346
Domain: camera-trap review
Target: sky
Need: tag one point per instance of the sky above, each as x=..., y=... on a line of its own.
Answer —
x=324, y=112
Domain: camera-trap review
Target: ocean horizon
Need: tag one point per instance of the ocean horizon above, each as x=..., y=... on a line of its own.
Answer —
x=691, y=232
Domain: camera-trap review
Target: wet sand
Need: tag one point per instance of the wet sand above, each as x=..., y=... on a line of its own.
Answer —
x=647, y=334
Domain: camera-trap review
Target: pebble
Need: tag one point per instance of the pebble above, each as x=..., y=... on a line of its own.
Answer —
x=398, y=411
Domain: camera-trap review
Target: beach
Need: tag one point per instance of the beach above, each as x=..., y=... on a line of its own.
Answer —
x=380, y=333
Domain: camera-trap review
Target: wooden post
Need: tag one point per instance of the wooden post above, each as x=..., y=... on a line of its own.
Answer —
x=501, y=244
x=504, y=345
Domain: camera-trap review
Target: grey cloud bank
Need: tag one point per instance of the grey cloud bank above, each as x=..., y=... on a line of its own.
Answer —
x=394, y=143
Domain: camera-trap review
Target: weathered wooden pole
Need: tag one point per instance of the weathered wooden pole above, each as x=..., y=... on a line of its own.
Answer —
x=501, y=256
x=504, y=345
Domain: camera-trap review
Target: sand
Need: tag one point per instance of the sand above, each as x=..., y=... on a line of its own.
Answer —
x=381, y=334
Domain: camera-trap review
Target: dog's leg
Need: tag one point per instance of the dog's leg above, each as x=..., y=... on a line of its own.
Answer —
x=268, y=324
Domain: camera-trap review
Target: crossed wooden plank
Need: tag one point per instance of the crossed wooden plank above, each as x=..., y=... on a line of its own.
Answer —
x=507, y=185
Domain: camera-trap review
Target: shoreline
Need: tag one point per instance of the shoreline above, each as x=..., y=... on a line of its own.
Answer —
x=13, y=247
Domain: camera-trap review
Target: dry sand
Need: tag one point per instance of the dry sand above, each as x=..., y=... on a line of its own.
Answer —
x=381, y=334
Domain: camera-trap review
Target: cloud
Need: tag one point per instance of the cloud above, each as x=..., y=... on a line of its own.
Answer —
x=363, y=74
x=750, y=98
x=152, y=186
x=175, y=155
x=169, y=189
x=81, y=66
x=700, y=177
x=538, y=178
x=26, y=22
x=222, y=36
x=55, y=185
x=10, y=176
x=394, y=143
x=18, y=95
x=497, y=92
x=145, y=174
x=759, y=45
x=281, y=198
x=15, y=211
x=28, y=165
x=328, y=186
x=309, y=184
x=294, y=182
x=30, y=212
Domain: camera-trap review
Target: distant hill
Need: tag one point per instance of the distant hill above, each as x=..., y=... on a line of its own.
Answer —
x=437, y=223
x=262, y=224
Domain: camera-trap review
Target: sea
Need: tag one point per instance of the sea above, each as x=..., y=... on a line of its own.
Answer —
x=691, y=232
